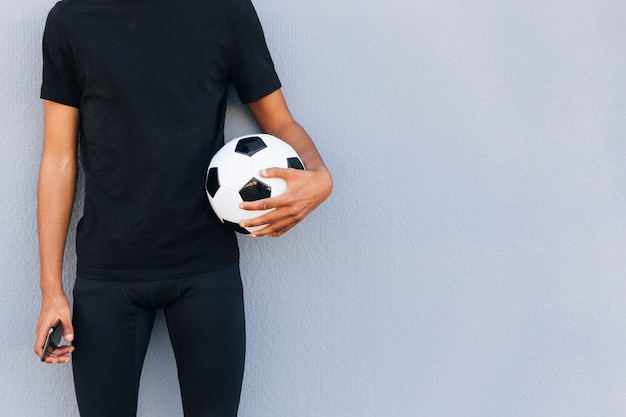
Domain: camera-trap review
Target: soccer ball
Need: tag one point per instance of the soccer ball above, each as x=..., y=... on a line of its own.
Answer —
x=233, y=176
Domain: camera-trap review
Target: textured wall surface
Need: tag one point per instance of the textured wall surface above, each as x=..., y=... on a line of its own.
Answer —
x=470, y=262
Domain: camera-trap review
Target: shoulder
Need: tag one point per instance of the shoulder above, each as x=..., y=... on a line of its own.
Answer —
x=235, y=9
x=61, y=9
x=66, y=13
x=54, y=21
x=63, y=6
x=242, y=15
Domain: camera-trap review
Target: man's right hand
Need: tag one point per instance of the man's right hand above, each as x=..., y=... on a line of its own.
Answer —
x=54, y=308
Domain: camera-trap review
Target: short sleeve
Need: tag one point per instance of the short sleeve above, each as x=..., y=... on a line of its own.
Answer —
x=252, y=69
x=60, y=80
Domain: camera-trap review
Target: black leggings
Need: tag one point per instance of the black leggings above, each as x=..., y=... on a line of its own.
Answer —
x=205, y=320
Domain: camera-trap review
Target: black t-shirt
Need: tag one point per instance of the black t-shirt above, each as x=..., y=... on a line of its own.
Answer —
x=150, y=78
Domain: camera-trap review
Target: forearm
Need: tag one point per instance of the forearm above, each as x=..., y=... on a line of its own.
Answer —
x=57, y=185
x=291, y=132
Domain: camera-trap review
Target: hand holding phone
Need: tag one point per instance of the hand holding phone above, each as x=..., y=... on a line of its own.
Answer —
x=53, y=339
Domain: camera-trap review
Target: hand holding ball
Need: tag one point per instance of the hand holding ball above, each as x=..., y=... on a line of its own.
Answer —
x=233, y=176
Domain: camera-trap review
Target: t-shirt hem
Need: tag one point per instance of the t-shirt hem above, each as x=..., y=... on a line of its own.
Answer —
x=260, y=92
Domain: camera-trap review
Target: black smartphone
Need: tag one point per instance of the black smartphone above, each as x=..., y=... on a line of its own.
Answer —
x=52, y=340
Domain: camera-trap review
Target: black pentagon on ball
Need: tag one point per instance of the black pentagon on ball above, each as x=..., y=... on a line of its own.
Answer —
x=250, y=146
x=212, y=182
x=255, y=190
x=295, y=163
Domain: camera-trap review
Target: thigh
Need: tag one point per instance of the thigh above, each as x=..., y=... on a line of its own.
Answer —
x=111, y=338
x=207, y=329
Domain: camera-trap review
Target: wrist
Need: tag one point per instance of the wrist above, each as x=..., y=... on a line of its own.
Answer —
x=51, y=288
x=317, y=167
x=53, y=297
x=324, y=175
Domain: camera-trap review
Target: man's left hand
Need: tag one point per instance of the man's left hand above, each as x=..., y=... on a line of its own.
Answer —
x=305, y=191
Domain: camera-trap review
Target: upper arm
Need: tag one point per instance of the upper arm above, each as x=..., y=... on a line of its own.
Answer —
x=60, y=133
x=271, y=112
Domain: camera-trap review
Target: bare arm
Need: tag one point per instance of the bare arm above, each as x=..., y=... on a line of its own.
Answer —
x=55, y=198
x=305, y=189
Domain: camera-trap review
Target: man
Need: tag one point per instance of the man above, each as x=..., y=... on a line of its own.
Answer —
x=143, y=84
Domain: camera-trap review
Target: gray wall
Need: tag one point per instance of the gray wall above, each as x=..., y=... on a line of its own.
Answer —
x=471, y=259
